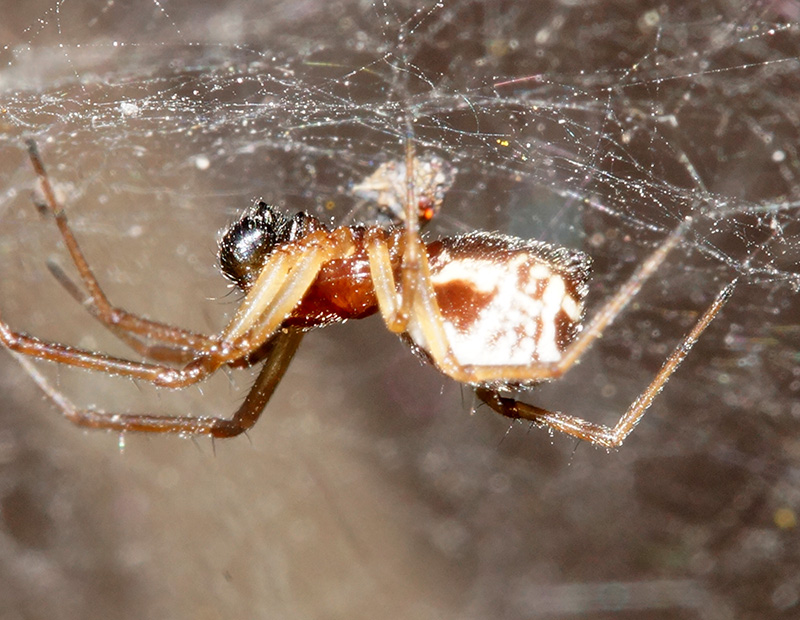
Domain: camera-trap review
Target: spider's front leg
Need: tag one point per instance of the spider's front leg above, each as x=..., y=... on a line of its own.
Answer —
x=173, y=344
x=152, y=340
x=598, y=434
x=283, y=282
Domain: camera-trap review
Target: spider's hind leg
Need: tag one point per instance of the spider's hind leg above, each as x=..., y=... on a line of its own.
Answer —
x=599, y=434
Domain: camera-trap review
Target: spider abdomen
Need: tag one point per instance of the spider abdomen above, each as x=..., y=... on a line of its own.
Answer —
x=506, y=301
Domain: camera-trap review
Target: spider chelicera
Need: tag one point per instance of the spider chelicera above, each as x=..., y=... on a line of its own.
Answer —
x=491, y=311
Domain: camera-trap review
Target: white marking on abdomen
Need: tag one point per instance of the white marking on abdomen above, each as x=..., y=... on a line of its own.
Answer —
x=518, y=324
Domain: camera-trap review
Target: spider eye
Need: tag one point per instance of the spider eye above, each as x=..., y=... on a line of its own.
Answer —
x=299, y=226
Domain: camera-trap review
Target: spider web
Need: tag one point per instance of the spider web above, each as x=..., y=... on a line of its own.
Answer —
x=598, y=126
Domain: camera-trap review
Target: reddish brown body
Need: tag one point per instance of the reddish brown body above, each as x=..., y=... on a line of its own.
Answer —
x=343, y=289
x=500, y=298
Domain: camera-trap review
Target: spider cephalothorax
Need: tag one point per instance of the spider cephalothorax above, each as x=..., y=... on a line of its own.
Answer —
x=246, y=244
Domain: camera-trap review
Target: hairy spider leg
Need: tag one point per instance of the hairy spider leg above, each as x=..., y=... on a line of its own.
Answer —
x=599, y=434
x=604, y=317
x=264, y=308
x=612, y=308
x=121, y=322
x=282, y=282
x=223, y=350
x=276, y=292
x=262, y=312
x=164, y=351
x=426, y=316
x=398, y=307
x=420, y=298
x=416, y=301
x=281, y=349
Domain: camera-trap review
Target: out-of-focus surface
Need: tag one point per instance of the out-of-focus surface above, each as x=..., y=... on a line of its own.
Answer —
x=367, y=490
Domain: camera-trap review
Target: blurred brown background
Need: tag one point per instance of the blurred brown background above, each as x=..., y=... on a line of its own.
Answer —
x=367, y=490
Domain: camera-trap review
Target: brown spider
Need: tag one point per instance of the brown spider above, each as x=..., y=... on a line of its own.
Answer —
x=489, y=310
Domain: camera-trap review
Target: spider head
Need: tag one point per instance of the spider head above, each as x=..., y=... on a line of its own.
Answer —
x=247, y=243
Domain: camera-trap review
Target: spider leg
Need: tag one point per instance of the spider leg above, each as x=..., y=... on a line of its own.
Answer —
x=614, y=306
x=427, y=318
x=424, y=312
x=604, y=317
x=397, y=306
x=599, y=434
x=282, y=284
x=167, y=351
x=115, y=319
x=414, y=307
x=203, y=364
x=415, y=302
x=413, y=253
x=283, y=281
x=282, y=348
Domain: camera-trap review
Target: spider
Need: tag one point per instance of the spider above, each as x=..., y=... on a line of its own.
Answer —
x=492, y=311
